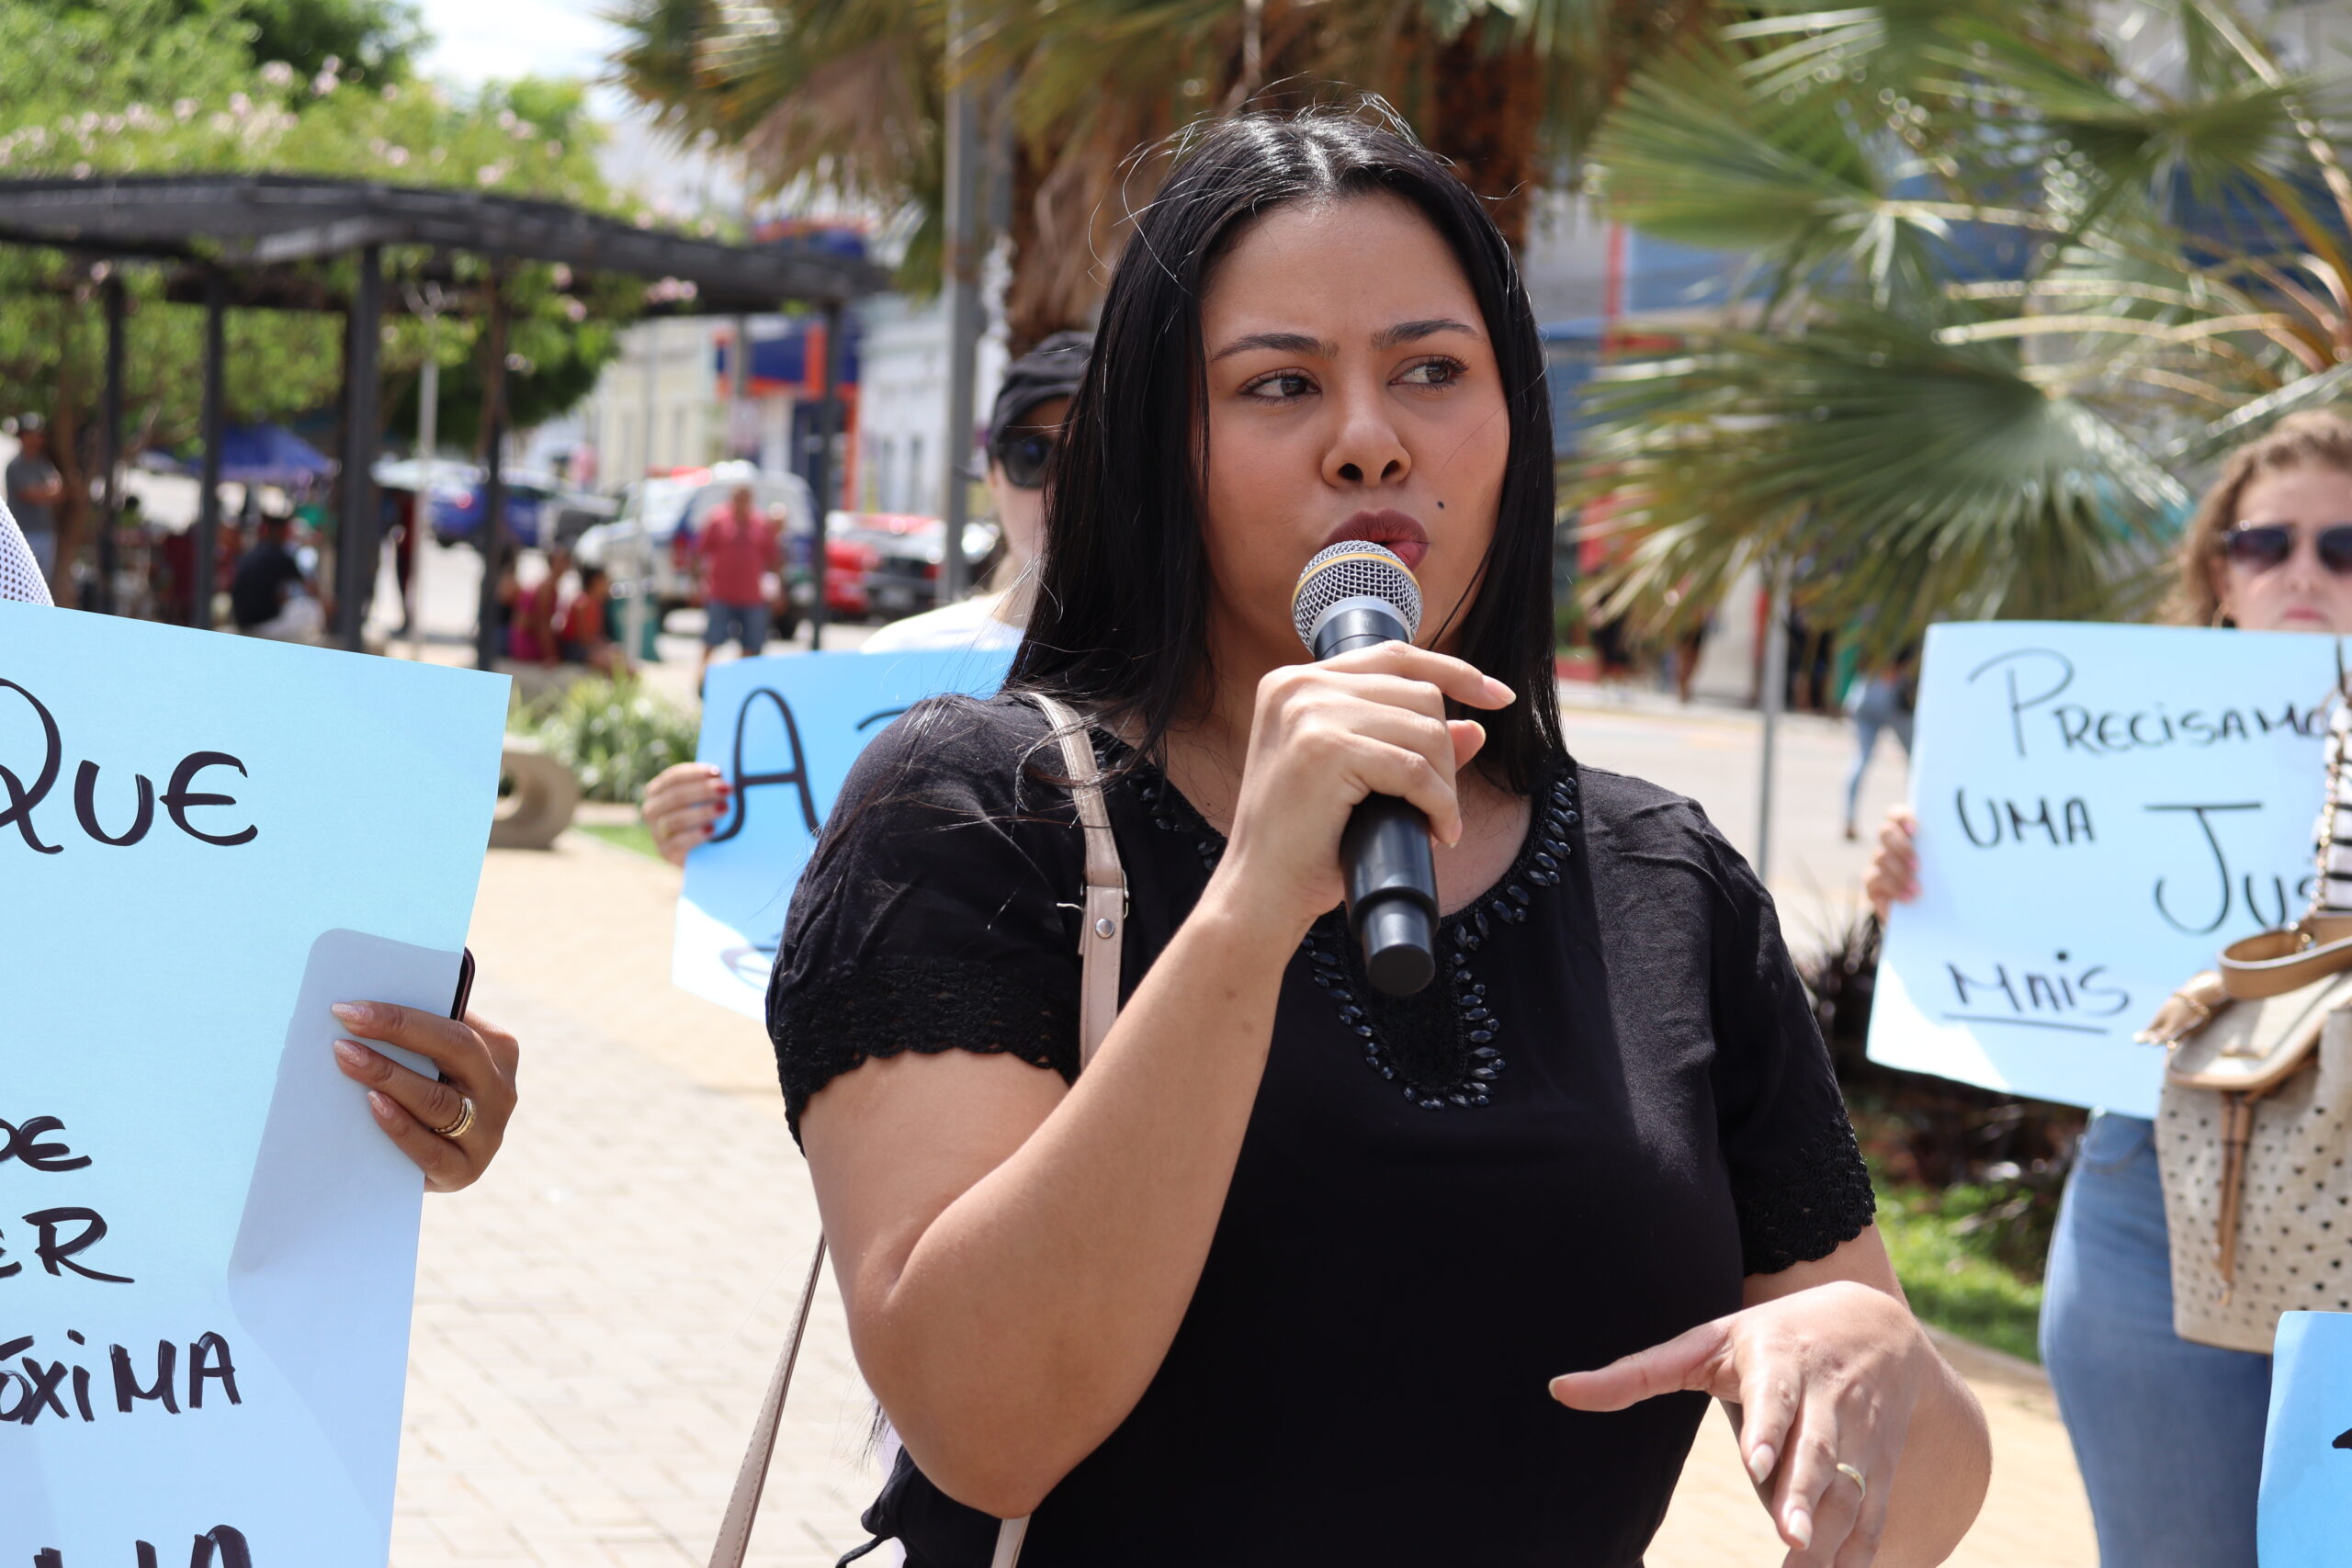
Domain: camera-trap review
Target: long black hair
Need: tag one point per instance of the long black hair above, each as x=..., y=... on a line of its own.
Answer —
x=1120, y=626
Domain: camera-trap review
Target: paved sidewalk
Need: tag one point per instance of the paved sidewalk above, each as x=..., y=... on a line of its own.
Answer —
x=595, y=1321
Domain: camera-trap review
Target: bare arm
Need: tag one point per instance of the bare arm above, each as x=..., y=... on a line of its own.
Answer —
x=1016, y=1257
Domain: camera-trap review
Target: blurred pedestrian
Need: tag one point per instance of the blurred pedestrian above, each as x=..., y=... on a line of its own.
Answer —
x=2168, y=1433
x=1687, y=649
x=738, y=546
x=1881, y=703
x=506, y=591
x=685, y=801
x=584, y=638
x=534, y=637
x=269, y=593
x=35, y=488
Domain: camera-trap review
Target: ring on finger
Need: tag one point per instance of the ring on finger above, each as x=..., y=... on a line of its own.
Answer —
x=465, y=1120
x=1847, y=1471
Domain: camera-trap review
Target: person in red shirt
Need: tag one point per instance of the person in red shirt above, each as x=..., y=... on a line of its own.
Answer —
x=738, y=549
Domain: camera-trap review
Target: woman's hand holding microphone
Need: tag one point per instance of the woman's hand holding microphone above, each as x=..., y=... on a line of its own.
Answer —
x=1323, y=736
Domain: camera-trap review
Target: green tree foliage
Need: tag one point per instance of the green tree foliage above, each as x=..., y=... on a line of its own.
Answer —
x=2006, y=289
x=161, y=87
x=848, y=93
x=374, y=41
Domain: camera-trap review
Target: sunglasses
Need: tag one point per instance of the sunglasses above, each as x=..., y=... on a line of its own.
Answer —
x=1024, y=458
x=2263, y=547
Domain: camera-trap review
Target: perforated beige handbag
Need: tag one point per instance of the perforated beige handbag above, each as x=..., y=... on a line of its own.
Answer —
x=2254, y=1137
x=1098, y=1004
x=2254, y=1132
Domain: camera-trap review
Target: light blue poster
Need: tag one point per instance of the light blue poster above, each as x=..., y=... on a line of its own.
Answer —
x=207, y=1248
x=2101, y=809
x=784, y=731
x=2306, y=1511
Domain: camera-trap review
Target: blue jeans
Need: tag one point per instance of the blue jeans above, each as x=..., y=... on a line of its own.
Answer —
x=746, y=624
x=2168, y=1433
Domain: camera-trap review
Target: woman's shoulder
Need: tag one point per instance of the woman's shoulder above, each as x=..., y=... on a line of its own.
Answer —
x=1632, y=817
x=1632, y=806
x=968, y=751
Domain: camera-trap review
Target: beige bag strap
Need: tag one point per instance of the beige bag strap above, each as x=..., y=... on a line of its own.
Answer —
x=2273, y=962
x=1098, y=1006
x=1106, y=882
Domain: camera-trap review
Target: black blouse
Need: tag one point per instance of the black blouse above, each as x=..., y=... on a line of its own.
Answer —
x=1611, y=1107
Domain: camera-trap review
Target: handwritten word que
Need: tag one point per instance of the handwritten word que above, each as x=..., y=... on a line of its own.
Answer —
x=179, y=797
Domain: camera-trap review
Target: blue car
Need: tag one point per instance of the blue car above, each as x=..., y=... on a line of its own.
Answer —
x=458, y=509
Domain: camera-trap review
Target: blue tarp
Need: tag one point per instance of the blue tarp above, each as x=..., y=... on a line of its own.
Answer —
x=266, y=455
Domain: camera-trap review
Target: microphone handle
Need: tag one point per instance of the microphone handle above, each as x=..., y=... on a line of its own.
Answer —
x=1392, y=892
x=1385, y=850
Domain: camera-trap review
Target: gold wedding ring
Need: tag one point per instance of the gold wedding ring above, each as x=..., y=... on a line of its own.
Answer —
x=1847, y=1470
x=458, y=1128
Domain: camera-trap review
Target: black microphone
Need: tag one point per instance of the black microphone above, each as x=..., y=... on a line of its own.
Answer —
x=1353, y=594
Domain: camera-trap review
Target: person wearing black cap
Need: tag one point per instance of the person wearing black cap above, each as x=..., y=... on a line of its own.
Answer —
x=1024, y=426
x=684, y=802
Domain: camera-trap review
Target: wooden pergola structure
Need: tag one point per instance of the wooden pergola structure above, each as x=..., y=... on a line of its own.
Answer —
x=252, y=241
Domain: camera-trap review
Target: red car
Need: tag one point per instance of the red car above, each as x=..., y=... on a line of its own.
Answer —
x=882, y=564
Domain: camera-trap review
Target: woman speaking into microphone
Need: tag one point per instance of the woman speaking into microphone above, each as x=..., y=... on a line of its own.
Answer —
x=1297, y=1270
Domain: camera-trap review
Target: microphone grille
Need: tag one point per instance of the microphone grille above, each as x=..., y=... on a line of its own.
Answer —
x=1354, y=569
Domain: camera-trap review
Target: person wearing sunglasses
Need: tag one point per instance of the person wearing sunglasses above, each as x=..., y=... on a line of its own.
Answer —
x=684, y=802
x=1025, y=427
x=2168, y=1433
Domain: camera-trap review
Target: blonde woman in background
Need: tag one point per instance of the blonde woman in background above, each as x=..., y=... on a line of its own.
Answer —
x=2168, y=1433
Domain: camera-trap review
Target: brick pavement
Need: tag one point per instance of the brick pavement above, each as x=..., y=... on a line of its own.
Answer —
x=595, y=1322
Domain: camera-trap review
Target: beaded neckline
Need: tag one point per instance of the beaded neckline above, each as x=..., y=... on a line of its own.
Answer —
x=1404, y=1039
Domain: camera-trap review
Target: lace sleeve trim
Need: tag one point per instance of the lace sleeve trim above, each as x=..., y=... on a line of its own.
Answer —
x=824, y=1028
x=1814, y=1204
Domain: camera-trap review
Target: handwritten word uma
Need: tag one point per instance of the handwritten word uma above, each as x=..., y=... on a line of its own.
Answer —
x=179, y=797
x=2033, y=679
x=220, y=1540
x=41, y=1387
x=2072, y=823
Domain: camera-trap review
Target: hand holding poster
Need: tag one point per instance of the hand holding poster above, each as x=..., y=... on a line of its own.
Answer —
x=207, y=1247
x=2101, y=809
x=783, y=731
